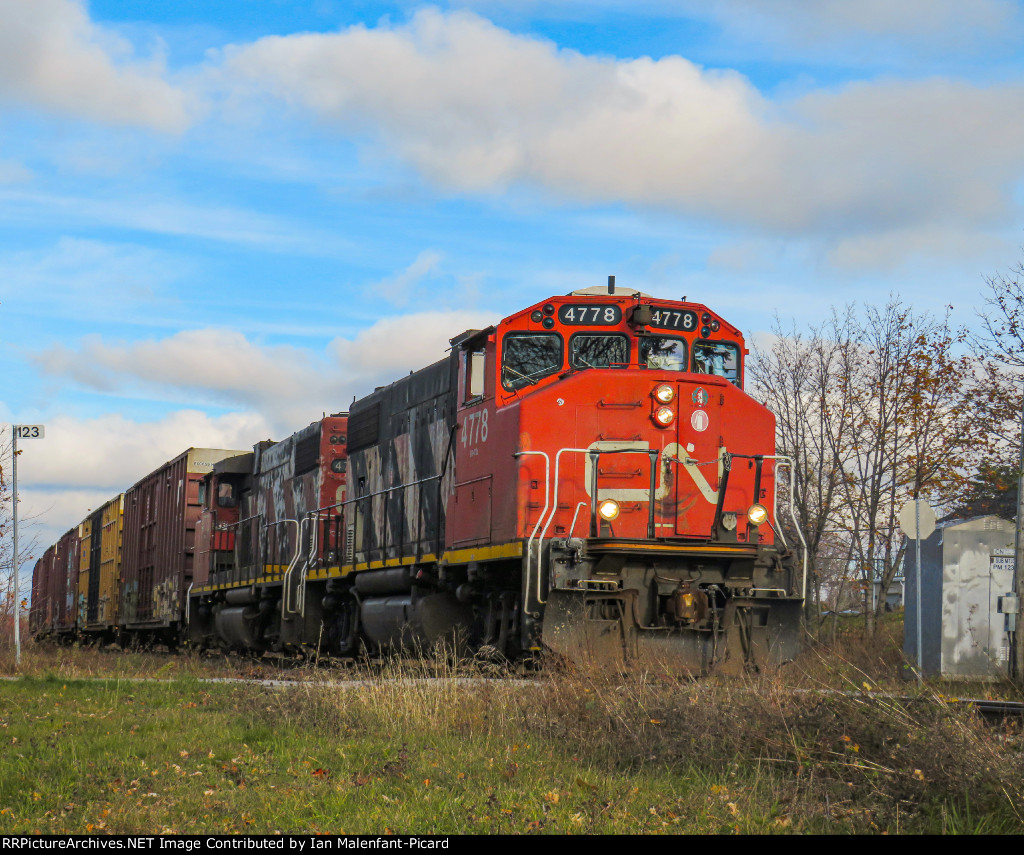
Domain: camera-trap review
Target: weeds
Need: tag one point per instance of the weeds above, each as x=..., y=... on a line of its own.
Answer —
x=413, y=746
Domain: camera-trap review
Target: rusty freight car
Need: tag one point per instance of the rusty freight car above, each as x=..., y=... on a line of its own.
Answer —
x=63, y=586
x=158, y=548
x=40, y=615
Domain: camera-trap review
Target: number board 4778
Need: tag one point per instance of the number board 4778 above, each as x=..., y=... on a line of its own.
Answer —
x=599, y=315
x=673, y=319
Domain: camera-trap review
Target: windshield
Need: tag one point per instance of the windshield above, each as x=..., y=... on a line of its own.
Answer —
x=598, y=350
x=721, y=358
x=663, y=352
x=526, y=357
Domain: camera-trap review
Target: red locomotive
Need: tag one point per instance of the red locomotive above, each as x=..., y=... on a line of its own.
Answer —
x=267, y=528
x=587, y=475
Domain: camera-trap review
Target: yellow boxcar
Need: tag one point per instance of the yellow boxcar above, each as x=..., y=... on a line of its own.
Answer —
x=86, y=531
x=100, y=573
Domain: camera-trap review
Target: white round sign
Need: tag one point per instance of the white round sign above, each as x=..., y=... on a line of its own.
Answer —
x=700, y=421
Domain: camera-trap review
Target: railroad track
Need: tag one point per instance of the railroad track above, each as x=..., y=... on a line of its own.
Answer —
x=994, y=710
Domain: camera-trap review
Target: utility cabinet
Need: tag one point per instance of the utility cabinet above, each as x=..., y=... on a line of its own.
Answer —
x=967, y=573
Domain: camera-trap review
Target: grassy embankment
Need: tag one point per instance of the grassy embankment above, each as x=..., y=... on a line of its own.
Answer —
x=584, y=751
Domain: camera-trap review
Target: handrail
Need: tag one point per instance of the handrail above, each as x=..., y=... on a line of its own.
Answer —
x=551, y=516
x=572, y=528
x=291, y=565
x=597, y=452
x=228, y=525
x=257, y=559
x=787, y=461
x=352, y=500
x=533, y=534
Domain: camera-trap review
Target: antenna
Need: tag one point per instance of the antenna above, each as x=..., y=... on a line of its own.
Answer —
x=611, y=284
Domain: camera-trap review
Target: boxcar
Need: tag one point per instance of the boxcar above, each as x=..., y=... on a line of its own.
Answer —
x=99, y=571
x=40, y=616
x=158, y=550
x=63, y=586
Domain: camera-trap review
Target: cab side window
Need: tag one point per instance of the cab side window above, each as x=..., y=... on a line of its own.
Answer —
x=225, y=495
x=721, y=358
x=474, y=374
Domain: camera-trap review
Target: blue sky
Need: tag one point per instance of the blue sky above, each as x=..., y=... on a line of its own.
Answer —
x=219, y=220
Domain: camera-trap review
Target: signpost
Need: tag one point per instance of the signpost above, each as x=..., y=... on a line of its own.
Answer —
x=917, y=520
x=18, y=432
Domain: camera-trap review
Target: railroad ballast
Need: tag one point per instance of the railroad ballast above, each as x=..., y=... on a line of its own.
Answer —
x=586, y=476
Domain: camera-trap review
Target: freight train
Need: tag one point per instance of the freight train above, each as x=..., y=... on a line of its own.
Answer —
x=587, y=476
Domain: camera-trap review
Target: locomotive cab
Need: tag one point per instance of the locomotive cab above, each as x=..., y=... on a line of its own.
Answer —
x=221, y=494
x=644, y=477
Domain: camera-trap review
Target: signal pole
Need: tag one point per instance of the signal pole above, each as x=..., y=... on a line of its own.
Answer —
x=14, y=557
x=28, y=432
x=1016, y=648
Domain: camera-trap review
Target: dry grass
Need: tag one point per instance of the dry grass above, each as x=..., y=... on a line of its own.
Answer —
x=414, y=746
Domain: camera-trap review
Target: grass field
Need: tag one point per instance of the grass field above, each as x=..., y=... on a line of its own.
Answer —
x=87, y=747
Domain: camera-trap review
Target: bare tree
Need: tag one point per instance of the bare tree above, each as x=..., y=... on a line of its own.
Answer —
x=874, y=407
x=916, y=431
x=804, y=380
x=1002, y=339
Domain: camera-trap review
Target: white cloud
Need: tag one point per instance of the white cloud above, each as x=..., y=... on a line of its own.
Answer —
x=287, y=386
x=398, y=289
x=815, y=25
x=110, y=453
x=217, y=366
x=927, y=247
x=52, y=55
x=82, y=463
x=477, y=108
x=44, y=516
x=393, y=346
x=939, y=22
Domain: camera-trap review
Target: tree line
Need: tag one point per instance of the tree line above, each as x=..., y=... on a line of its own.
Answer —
x=881, y=404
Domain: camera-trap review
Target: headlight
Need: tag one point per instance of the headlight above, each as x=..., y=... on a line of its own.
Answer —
x=757, y=514
x=608, y=509
x=664, y=393
x=663, y=416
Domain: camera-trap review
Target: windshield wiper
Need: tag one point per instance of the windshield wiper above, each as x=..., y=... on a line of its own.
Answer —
x=526, y=377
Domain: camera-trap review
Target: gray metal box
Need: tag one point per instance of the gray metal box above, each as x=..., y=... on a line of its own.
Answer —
x=967, y=567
